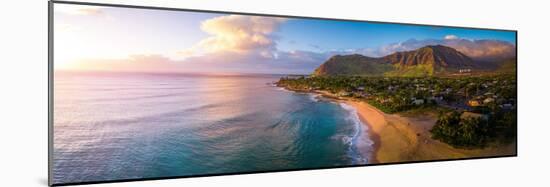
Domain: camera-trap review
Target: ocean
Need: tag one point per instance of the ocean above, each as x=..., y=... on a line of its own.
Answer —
x=116, y=126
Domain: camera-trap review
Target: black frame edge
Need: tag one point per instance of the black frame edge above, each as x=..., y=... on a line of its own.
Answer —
x=268, y=15
x=277, y=171
x=51, y=89
x=50, y=92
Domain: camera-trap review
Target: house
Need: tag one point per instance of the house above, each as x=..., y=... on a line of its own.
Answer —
x=437, y=98
x=383, y=100
x=507, y=106
x=464, y=70
x=488, y=100
x=474, y=115
x=365, y=95
x=343, y=94
x=418, y=101
x=474, y=103
x=296, y=76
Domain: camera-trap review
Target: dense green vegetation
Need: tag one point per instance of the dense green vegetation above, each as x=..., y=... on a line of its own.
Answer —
x=489, y=100
x=426, y=61
x=461, y=132
x=412, y=71
x=353, y=65
x=458, y=130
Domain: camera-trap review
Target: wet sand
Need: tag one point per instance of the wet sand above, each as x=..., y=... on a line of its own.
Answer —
x=399, y=138
x=403, y=139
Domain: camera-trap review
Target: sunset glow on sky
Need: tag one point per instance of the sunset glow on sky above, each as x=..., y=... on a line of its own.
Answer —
x=126, y=39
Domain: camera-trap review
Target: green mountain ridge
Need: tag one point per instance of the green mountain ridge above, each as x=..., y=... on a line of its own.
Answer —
x=353, y=65
x=431, y=60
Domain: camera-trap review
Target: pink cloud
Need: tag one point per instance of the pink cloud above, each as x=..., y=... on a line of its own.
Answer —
x=237, y=33
x=451, y=37
x=134, y=63
x=477, y=49
x=78, y=9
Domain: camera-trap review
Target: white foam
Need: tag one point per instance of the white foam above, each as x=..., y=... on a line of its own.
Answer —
x=314, y=97
x=282, y=89
x=359, y=138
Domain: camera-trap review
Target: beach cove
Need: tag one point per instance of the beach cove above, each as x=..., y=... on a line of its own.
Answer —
x=400, y=138
x=186, y=127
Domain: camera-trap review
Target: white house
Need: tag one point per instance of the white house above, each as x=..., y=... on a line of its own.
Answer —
x=488, y=100
x=418, y=101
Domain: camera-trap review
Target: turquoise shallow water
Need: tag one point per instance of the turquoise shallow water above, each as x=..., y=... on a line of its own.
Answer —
x=127, y=126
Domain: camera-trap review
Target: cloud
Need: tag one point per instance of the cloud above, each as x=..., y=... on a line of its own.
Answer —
x=243, y=44
x=451, y=37
x=238, y=34
x=133, y=63
x=476, y=49
x=485, y=49
x=246, y=44
x=78, y=9
x=302, y=62
x=65, y=27
x=314, y=46
x=297, y=62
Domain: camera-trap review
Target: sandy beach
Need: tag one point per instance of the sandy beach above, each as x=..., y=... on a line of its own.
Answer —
x=399, y=138
x=402, y=139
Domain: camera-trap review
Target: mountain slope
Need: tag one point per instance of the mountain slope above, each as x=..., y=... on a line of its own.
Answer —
x=425, y=61
x=353, y=65
x=438, y=55
x=507, y=66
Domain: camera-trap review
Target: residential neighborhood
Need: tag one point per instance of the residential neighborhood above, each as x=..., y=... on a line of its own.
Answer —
x=395, y=94
x=472, y=111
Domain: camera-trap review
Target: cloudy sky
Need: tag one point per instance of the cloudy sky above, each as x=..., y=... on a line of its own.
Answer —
x=123, y=39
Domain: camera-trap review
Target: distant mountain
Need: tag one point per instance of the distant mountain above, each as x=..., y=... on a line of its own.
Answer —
x=429, y=60
x=426, y=61
x=507, y=66
x=353, y=65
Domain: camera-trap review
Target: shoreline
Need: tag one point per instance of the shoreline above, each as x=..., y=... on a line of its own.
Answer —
x=375, y=122
x=370, y=116
x=397, y=138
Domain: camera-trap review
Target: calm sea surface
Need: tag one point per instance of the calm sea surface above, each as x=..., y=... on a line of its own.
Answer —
x=111, y=126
